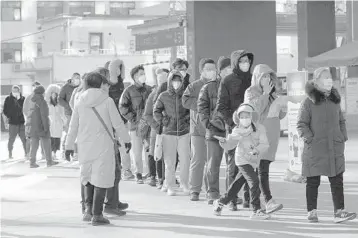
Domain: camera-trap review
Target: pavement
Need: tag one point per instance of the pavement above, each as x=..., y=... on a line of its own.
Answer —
x=44, y=203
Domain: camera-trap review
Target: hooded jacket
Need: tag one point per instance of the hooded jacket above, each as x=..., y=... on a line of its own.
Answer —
x=38, y=123
x=56, y=112
x=65, y=97
x=13, y=109
x=164, y=86
x=95, y=147
x=322, y=127
x=231, y=91
x=169, y=111
x=132, y=104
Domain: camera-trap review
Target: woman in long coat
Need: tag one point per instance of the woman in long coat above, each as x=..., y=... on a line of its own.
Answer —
x=56, y=116
x=262, y=94
x=95, y=146
x=322, y=127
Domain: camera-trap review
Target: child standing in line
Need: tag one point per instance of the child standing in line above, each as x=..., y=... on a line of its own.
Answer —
x=250, y=141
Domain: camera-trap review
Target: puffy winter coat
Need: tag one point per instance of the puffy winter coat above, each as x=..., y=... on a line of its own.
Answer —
x=56, y=112
x=206, y=107
x=323, y=128
x=13, y=109
x=38, y=122
x=231, y=91
x=132, y=104
x=65, y=97
x=169, y=111
x=148, y=113
x=95, y=147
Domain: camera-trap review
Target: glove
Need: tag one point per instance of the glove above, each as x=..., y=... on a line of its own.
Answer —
x=128, y=147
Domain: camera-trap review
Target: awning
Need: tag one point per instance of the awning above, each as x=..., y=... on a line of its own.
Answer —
x=346, y=55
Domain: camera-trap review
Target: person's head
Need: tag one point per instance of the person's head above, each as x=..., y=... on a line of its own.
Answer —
x=54, y=95
x=104, y=72
x=241, y=61
x=262, y=76
x=224, y=66
x=15, y=91
x=207, y=69
x=322, y=80
x=245, y=115
x=76, y=79
x=138, y=75
x=35, y=84
x=175, y=81
x=162, y=75
x=181, y=66
x=96, y=80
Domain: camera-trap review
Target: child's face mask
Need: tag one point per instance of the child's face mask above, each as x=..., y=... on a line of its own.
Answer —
x=245, y=122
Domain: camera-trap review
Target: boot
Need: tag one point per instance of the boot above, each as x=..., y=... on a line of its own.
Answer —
x=87, y=216
x=99, y=220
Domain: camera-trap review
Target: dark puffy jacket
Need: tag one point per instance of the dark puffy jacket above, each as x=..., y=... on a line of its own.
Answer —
x=232, y=91
x=38, y=122
x=190, y=101
x=13, y=110
x=206, y=107
x=164, y=86
x=115, y=92
x=169, y=112
x=65, y=97
x=148, y=112
x=132, y=104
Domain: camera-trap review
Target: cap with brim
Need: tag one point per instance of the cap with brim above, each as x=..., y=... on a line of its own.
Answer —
x=246, y=107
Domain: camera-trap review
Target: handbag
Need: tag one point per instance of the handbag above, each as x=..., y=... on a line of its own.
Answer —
x=115, y=142
x=158, y=149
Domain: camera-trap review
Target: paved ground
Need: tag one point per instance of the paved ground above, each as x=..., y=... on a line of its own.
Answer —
x=44, y=203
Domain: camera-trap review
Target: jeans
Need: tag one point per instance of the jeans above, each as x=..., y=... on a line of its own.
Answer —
x=94, y=197
x=215, y=154
x=160, y=169
x=45, y=144
x=15, y=130
x=197, y=164
x=152, y=166
x=112, y=194
x=246, y=173
x=336, y=191
x=263, y=171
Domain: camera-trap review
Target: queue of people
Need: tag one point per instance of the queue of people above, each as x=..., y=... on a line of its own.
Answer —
x=228, y=112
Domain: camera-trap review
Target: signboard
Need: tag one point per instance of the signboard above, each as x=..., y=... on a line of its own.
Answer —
x=296, y=94
x=160, y=39
x=352, y=96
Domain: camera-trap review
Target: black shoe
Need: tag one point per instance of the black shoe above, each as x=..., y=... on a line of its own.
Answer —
x=152, y=182
x=99, y=220
x=123, y=206
x=194, y=197
x=114, y=211
x=246, y=204
x=34, y=166
x=233, y=206
x=177, y=182
x=139, y=179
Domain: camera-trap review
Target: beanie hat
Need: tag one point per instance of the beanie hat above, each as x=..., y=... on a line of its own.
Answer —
x=223, y=62
x=204, y=61
x=16, y=86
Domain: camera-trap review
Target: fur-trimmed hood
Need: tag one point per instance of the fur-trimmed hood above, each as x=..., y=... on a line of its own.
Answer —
x=316, y=96
x=52, y=88
x=112, y=67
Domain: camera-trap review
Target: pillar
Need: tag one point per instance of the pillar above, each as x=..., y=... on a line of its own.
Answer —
x=316, y=29
x=352, y=20
x=216, y=28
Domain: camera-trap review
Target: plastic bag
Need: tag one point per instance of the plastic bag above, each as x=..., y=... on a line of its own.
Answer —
x=158, y=150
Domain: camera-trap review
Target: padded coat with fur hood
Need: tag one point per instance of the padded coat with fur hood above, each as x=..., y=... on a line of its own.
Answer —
x=56, y=112
x=323, y=128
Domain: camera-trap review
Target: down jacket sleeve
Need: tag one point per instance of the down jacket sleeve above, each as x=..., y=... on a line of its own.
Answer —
x=223, y=104
x=259, y=101
x=73, y=130
x=189, y=98
x=125, y=106
x=117, y=122
x=303, y=122
x=44, y=112
x=158, y=111
x=148, y=111
x=204, y=106
x=62, y=100
x=263, y=145
x=342, y=123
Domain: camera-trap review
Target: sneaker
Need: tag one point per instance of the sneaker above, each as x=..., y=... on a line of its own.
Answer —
x=99, y=220
x=177, y=182
x=246, y=204
x=152, y=182
x=146, y=176
x=87, y=217
x=342, y=216
x=312, y=216
x=10, y=155
x=239, y=201
x=114, y=211
x=186, y=191
x=128, y=175
x=272, y=206
x=218, y=207
x=194, y=197
x=123, y=206
x=259, y=215
x=140, y=179
x=210, y=201
x=171, y=192
x=233, y=206
x=52, y=163
x=34, y=166
x=160, y=184
x=164, y=189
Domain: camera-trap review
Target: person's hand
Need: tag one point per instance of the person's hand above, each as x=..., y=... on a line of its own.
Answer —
x=267, y=87
x=128, y=147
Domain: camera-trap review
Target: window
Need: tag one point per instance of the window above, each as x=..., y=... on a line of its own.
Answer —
x=78, y=8
x=11, y=52
x=95, y=41
x=49, y=9
x=39, y=49
x=100, y=8
x=11, y=10
x=121, y=8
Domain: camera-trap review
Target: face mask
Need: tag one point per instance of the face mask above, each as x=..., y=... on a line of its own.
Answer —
x=142, y=79
x=244, y=67
x=209, y=74
x=328, y=84
x=183, y=73
x=176, y=85
x=16, y=95
x=245, y=122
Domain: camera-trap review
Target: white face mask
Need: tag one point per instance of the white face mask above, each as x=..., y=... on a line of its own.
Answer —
x=328, y=84
x=209, y=74
x=142, y=79
x=16, y=95
x=244, y=67
x=245, y=122
x=176, y=85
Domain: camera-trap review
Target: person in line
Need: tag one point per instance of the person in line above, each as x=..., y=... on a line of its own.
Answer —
x=13, y=107
x=161, y=77
x=26, y=112
x=263, y=95
x=37, y=127
x=57, y=117
x=206, y=105
x=117, y=72
x=64, y=101
x=230, y=96
x=322, y=127
x=207, y=69
x=77, y=92
x=95, y=143
x=170, y=114
x=250, y=141
x=131, y=107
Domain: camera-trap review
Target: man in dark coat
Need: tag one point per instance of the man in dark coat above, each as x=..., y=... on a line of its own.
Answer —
x=13, y=111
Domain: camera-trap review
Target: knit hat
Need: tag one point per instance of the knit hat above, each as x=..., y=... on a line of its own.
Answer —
x=245, y=107
x=223, y=62
x=204, y=61
x=16, y=86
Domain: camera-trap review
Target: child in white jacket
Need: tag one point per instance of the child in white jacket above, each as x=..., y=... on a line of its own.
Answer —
x=250, y=141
